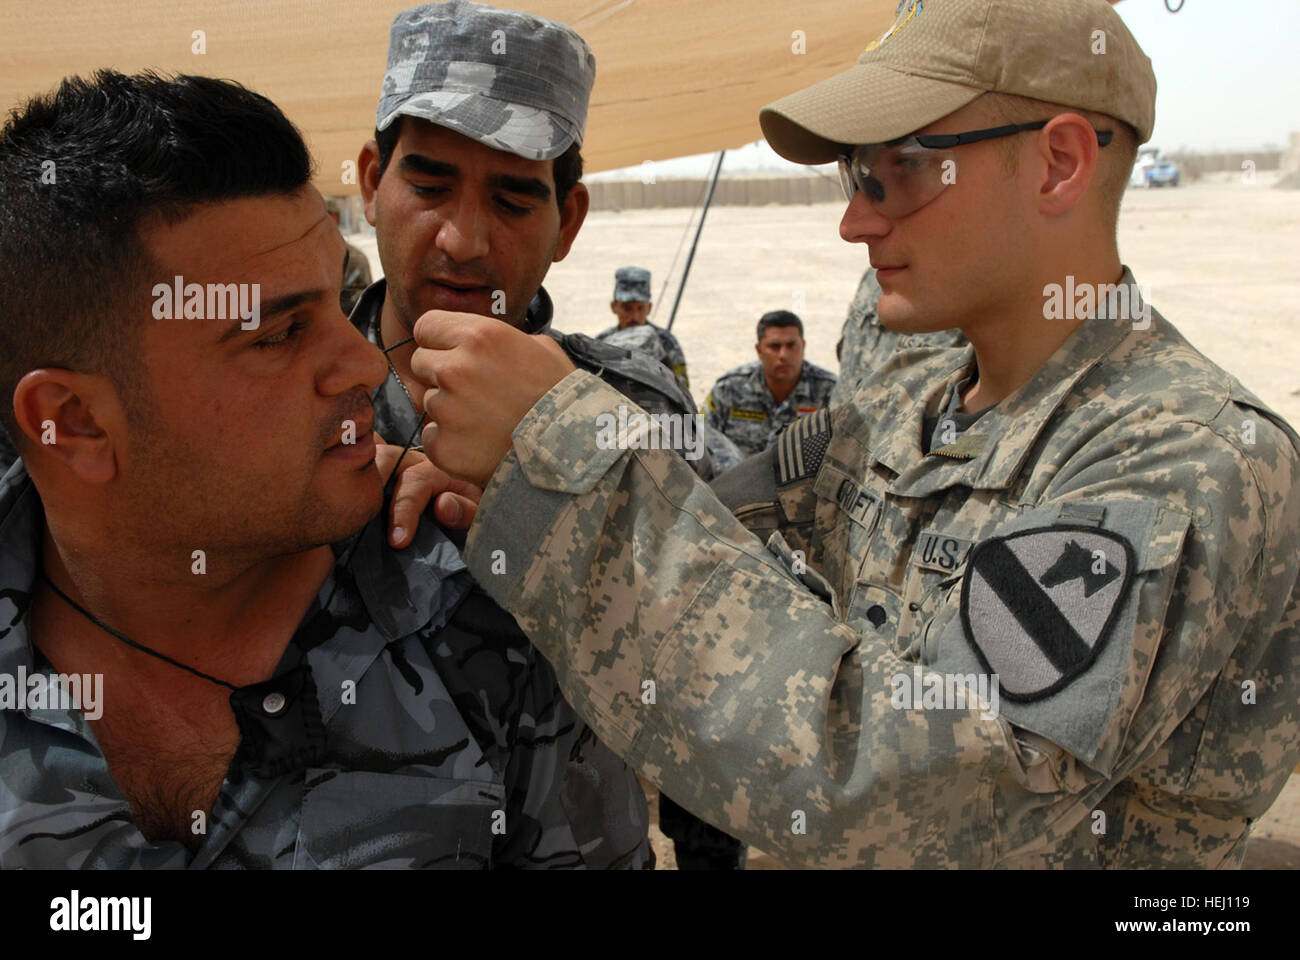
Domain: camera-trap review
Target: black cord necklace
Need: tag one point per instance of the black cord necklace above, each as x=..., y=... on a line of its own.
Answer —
x=125, y=639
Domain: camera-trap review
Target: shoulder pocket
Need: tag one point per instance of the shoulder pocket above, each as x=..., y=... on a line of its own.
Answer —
x=1069, y=602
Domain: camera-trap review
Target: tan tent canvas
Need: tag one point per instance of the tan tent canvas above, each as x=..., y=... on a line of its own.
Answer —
x=674, y=77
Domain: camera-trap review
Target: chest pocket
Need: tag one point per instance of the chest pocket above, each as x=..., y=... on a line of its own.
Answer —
x=362, y=819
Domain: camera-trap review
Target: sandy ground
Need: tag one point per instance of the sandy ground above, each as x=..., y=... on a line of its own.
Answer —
x=1221, y=259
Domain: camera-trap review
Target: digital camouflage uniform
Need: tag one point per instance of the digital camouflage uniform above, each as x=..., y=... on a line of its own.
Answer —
x=864, y=344
x=1156, y=679
x=444, y=740
x=656, y=341
x=741, y=404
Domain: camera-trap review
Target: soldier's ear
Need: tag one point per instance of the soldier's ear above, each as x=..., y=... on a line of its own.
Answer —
x=613, y=307
x=73, y=418
x=368, y=177
x=572, y=214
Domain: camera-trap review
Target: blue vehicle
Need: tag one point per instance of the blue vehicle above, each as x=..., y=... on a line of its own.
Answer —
x=1163, y=173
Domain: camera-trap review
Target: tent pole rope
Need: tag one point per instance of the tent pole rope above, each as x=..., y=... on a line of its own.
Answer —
x=686, y=271
x=663, y=287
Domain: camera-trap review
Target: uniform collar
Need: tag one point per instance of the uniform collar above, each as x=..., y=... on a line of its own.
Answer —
x=1010, y=430
x=22, y=521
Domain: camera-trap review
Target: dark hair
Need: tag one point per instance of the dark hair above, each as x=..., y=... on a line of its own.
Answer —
x=80, y=169
x=567, y=170
x=778, y=318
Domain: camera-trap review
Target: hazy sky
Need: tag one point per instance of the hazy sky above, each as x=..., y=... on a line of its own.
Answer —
x=1227, y=78
x=1227, y=71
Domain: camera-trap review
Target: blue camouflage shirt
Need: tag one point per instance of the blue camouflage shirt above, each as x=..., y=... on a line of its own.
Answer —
x=445, y=740
x=742, y=407
x=666, y=348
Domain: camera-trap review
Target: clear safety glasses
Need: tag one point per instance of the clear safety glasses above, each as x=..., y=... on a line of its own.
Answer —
x=902, y=176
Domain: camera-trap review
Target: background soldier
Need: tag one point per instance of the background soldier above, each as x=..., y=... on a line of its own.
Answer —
x=632, y=306
x=754, y=402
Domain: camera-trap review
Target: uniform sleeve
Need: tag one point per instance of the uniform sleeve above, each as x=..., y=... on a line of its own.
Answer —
x=675, y=359
x=716, y=410
x=698, y=656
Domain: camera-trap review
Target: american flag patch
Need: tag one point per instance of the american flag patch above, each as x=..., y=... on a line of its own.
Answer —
x=801, y=446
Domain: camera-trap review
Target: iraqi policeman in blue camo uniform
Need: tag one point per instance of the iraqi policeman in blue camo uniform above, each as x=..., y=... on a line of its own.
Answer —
x=754, y=402
x=632, y=306
x=294, y=694
x=481, y=116
x=461, y=119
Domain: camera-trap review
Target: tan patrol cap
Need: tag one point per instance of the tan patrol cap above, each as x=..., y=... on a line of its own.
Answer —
x=939, y=55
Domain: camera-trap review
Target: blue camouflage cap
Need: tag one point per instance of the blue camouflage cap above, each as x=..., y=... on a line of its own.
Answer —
x=509, y=80
x=632, y=283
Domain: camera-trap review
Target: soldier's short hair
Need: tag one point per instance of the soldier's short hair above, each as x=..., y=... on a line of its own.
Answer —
x=81, y=169
x=778, y=318
x=566, y=172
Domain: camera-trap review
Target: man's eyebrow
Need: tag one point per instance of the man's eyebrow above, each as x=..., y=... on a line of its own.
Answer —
x=415, y=163
x=272, y=309
x=525, y=186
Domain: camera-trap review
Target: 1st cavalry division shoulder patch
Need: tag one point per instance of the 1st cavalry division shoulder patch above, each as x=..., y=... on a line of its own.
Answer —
x=1038, y=605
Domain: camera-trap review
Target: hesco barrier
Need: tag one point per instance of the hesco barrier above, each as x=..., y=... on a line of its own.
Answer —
x=734, y=192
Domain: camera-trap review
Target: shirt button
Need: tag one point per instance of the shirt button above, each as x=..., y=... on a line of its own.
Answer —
x=877, y=615
x=273, y=703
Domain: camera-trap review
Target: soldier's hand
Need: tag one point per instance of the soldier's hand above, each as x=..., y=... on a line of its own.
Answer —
x=484, y=375
x=455, y=502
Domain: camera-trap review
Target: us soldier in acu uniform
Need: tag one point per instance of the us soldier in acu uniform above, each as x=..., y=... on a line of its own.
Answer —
x=754, y=402
x=632, y=306
x=1077, y=506
x=472, y=183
